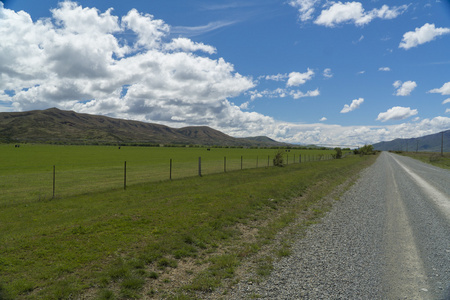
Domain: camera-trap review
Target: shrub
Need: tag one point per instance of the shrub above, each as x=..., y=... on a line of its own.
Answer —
x=278, y=159
x=338, y=153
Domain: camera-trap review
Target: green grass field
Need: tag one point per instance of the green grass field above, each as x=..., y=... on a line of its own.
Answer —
x=26, y=173
x=103, y=242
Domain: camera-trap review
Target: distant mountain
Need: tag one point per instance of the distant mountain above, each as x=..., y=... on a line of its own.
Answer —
x=430, y=143
x=59, y=126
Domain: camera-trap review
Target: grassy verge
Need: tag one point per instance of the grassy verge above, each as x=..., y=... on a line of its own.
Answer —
x=168, y=239
x=431, y=158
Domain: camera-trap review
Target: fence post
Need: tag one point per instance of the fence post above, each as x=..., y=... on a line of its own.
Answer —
x=200, y=166
x=268, y=160
x=54, y=181
x=170, y=172
x=125, y=175
x=225, y=164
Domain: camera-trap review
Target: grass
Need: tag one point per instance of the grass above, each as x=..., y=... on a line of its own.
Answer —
x=26, y=173
x=116, y=244
x=431, y=158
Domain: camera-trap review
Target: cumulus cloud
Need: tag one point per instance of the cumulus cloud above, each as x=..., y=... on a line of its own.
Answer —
x=397, y=113
x=78, y=60
x=296, y=78
x=354, y=105
x=444, y=90
x=351, y=136
x=323, y=119
x=446, y=101
x=405, y=88
x=187, y=45
x=384, y=69
x=422, y=35
x=353, y=12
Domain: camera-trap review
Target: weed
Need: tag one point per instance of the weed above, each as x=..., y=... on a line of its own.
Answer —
x=166, y=262
x=106, y=294
x=132, y=283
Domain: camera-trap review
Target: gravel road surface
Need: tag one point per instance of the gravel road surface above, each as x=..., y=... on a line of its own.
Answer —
x=387, y=238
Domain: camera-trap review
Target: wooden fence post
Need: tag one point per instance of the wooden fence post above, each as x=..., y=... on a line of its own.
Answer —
x=54, y=181
x=200, y=166
x=125, y=175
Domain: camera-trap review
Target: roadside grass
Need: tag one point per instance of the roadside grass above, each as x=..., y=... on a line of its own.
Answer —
x=118, y=244
x=431, y=158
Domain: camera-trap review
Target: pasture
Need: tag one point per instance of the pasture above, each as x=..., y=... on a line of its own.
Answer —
x=158, y=238
x=26, y=173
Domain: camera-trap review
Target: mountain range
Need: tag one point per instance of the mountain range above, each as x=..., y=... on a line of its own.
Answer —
x=59, y=126
x=432, y=143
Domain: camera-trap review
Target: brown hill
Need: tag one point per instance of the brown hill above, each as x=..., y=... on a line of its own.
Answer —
x=59, y=126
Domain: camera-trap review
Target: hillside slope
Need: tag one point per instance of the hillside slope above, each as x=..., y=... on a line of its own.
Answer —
x=430, y=143
x=59, y=126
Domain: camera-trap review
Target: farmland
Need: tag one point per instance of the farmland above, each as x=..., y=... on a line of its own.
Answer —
x=158, y=238
x=26, y=173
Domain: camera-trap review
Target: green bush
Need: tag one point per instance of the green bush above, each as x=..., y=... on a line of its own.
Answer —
x=278, y=160
x=338, y=153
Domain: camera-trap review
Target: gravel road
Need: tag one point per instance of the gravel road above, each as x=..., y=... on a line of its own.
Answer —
x=388, y=238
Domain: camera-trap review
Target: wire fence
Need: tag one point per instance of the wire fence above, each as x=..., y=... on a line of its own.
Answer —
x=56, y=181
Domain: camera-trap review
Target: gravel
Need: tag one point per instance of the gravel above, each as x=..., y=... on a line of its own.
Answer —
x=345, y=256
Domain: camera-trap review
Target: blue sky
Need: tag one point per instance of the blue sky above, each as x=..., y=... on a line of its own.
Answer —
x=299, y=71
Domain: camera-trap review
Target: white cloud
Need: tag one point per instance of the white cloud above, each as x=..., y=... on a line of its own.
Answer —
x=296, y=78
x=447, y=111
x=305, y=8
x=327, y=73
x=187, y=45
x=354, y=105
x=422, y=35
x=446, y=101
x=336, y=135
x=299, y=94
x=405, y=88
x=385, y=69
x=78, y=60
x=323, y=119
x=278, y=77
x=397, y=113
x=444, y=90
x=353, y=12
